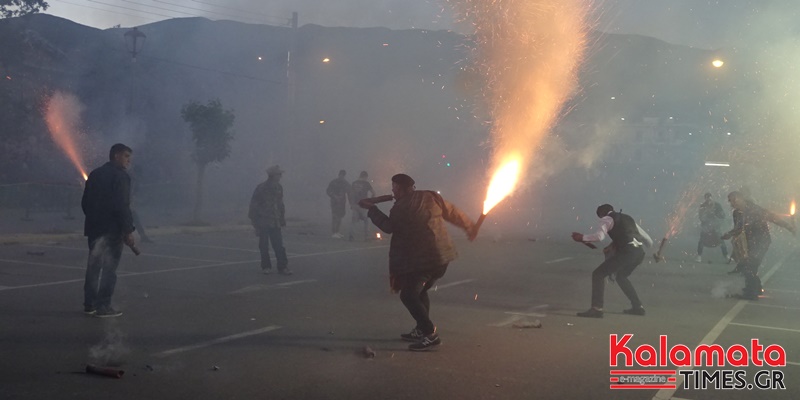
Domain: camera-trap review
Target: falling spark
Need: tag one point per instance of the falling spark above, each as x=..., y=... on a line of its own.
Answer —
x=63, y=119
x=792, y=208
x=528, y=53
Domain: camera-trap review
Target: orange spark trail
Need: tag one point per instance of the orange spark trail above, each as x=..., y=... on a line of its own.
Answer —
x=63, y=119
x=528, y=53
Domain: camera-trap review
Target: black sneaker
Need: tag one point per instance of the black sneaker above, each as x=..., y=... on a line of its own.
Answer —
x=107, y=312
x=89, y=310
x=591, y=313
x=414, y=336
x=427, y=343
x=635, y=311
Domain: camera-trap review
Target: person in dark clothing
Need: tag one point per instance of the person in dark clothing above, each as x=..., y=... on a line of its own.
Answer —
x=359, y=190
x=710, y=214
x=420, y=250
x=624, y=254
x=338, y=189
x=754, y=223
x=268, y=214
x=108, y=225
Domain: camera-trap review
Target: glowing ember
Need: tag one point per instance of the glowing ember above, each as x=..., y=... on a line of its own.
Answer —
x=792, y=208
x=378, y=236
x=63, y=118
x=502, y=184
x=527, y=53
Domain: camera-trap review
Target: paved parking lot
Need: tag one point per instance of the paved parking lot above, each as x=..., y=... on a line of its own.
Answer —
x=200, y=321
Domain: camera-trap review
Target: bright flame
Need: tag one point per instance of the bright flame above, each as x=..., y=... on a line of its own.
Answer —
x=63, y=119
x=718, y=63
x=792, y=208
x=378, y=235
x=502, y=184
x=527, y=55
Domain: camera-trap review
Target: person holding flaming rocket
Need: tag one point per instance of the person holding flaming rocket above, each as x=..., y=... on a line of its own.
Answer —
x=623, y=255
x=420, y=249
x=106, y=203
x=755, y=225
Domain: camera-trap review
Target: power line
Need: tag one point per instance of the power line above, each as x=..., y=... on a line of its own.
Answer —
x=285, y=20
x=132, y=9
x=108, y=11
x=209, y=11
x=161, y=8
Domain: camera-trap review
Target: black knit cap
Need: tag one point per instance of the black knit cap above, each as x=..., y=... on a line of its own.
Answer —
x=403, y=180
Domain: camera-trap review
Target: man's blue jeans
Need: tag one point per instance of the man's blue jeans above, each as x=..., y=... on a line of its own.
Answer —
x=265, y=236
x=101, y=271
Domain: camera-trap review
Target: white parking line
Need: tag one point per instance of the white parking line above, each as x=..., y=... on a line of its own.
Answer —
x=292, y=283
x=516, y=316
x=263, y=286
x=217, y=341
x=144, y=253
x=558, y=260
x=456, y=283
x=163, y=271
x=781, y=290
x=713, y=334
x=774, y=306
x=775, y=328
x=42, y=264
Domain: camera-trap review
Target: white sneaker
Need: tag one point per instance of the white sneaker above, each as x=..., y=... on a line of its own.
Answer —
x=698, y=259
x=337, y=236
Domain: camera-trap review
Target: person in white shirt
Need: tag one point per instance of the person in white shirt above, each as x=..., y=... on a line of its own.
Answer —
x=623, y=255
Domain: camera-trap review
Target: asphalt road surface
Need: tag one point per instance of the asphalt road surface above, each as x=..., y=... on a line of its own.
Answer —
x=201, y=322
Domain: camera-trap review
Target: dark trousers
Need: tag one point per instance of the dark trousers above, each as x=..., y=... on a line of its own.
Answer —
x=700, y=247
x=358, y=215
x=622, y=263
x=101, y=271
x=274, y=235
x=414, y=295
x=749, y=267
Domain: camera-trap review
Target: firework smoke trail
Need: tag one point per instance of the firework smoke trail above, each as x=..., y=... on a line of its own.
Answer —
x=63, y=120
x=528, y=53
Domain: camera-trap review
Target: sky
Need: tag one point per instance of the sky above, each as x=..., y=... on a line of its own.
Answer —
x=707, y=24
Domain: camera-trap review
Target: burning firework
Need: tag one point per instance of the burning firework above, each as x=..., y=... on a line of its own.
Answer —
x=528, y=53
x=63, y=120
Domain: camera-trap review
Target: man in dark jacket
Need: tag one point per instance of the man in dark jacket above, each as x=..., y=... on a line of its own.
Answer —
x=420, y=250
x=108, y=225
x=754, y=223
x=710, y=214
x=337, y=190
x=268, y=214
x=623, y=256
x=359, y=190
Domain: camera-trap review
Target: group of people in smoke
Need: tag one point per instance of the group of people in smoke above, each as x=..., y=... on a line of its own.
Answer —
x=340, y=191
x=420, y=249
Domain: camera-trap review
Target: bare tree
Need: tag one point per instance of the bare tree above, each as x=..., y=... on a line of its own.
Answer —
x=212, y=134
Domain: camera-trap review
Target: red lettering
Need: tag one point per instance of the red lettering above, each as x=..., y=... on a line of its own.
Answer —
x=662, y=351
x=709, y=351
x=741, y=361
x=650, y=361
x=775, y=362
x=685, y=360
x=619, y=347
x=755, y=348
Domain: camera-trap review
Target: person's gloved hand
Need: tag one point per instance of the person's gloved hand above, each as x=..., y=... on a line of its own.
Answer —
x=578, y=237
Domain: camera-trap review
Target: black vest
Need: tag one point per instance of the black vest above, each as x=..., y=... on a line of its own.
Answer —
x=624, y=230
